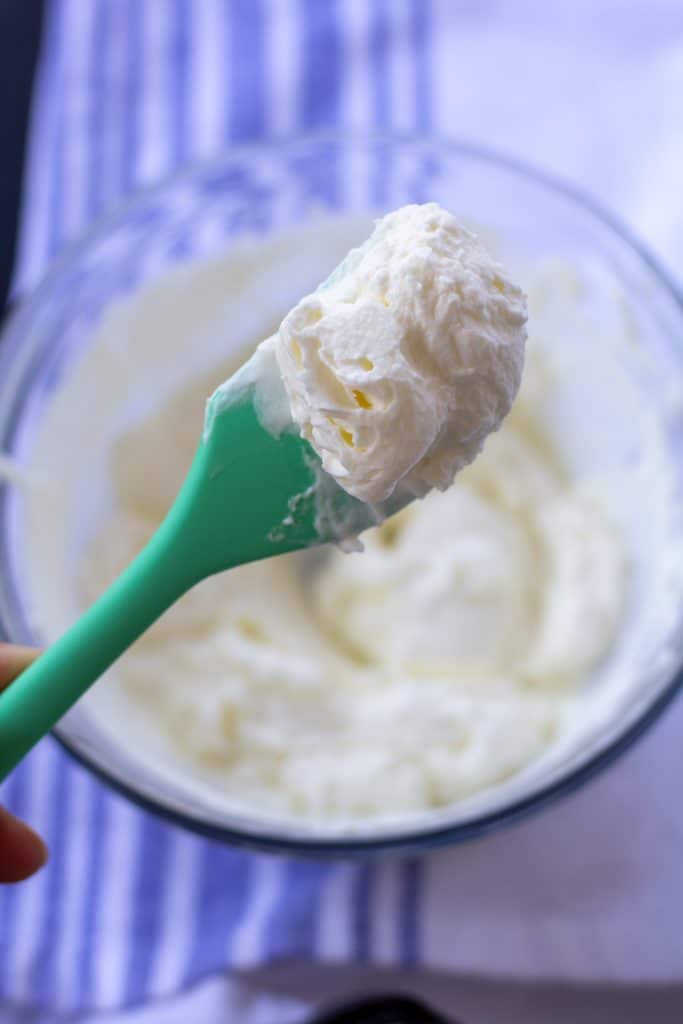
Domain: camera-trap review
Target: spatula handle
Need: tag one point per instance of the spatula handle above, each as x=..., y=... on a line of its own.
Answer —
x=58, y=678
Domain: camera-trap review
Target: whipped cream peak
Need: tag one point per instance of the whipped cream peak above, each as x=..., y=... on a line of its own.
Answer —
x=410, y=353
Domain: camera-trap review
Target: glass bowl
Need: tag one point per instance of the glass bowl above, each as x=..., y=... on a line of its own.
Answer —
x=256, y=190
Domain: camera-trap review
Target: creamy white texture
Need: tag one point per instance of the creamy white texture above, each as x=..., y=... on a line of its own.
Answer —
x=403, y=361
x=404, y=678
x=241, y=700
x=515, y=572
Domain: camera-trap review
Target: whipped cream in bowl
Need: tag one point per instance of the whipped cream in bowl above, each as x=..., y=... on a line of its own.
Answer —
x=493, y=643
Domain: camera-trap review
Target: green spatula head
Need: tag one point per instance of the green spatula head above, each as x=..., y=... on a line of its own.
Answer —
x=255, y=489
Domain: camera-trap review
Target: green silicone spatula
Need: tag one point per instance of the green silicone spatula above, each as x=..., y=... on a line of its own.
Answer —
x=249, y=494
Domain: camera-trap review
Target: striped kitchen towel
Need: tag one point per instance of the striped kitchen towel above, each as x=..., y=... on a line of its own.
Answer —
x=130, y=908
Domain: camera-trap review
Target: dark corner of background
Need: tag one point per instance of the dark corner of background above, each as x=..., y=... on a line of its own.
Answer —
x=20, y=30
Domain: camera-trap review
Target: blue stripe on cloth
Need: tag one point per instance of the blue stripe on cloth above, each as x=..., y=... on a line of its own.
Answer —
x=55, y=206
x=292, y=926
x=379, y=54
x=180, y=89
x=411, y=900
x=147, y=893
x=246, y=95
x=35, y=240
x=52, y=910
x=180, y=104
x=224, y=894
x=363, y=883
x=420, y=33
x=97, y=90
x=91, y=937
x=131, y=92
x=320, y=90
x=321, y=80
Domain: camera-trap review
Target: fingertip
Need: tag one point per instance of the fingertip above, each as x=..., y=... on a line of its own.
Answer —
x=22, y=851
x=14, y=658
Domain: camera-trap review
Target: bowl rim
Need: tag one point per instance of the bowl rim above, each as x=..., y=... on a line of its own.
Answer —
x=420, y=838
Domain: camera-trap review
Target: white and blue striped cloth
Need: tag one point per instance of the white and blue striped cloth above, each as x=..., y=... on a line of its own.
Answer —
x=128, y=90
x=129, y=908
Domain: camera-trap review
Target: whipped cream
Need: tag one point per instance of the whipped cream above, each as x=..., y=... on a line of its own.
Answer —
x=403, y=361
x=270, y=677
x=489, y=636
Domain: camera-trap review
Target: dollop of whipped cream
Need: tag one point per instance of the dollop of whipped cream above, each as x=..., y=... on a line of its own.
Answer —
x=402, y=362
